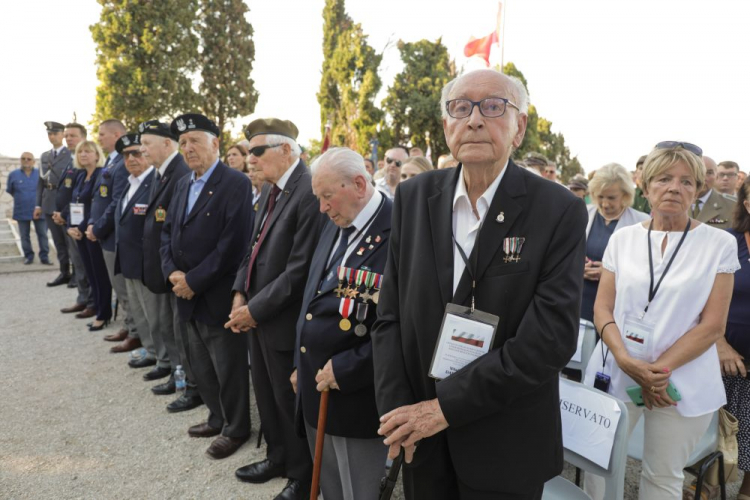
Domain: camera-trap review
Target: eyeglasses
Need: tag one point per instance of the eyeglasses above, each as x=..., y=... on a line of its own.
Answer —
x=134, y=154
x=684, y=145
x=490, y=107
x=27, y=159
x=391, y=160
x=258, y=151
x=726, y=175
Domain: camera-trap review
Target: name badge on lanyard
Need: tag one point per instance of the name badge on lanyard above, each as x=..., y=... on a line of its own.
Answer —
x=76, y=213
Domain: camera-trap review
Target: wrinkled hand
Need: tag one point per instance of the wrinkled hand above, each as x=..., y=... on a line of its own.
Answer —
x=57, y=218
x=406, y=426
x=180, y=286
x=646, y=375
x=325, y=378
x=240, y=320
x=90, y=232
x=732, y=363
x=75, y=233
x=293, y=380
x=592, y=270
x=37, y=213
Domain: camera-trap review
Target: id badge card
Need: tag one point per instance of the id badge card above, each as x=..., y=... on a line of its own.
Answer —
x=638, y=337
x=76, y=213
x=464, y=337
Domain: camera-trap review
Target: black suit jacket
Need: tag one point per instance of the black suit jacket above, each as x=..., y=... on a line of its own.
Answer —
x=112, y=184
x=160, y=199
x=129, y=231
x=503, y=411
x=208, y=244
x=351, y=410
x=283, y=261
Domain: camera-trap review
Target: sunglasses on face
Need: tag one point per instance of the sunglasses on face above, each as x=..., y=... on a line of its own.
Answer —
x=684, y=145
x=134, y=154
x=391, y=160
x=258, y=151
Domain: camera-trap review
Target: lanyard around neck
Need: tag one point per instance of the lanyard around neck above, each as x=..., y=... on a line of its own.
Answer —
x=469, y=264
x=651, y=289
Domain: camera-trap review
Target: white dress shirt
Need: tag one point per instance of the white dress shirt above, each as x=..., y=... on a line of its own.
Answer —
x=466, y=224
x=361, y=224
x=163, y=167
x=135, y=183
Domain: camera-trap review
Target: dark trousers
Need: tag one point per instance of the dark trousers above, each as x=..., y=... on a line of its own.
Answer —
x=181, y=341
x=435, y=479
x=79, y=270
x=218, y=361
x=271, y=370
x=58, y=236
x=96, y=272
x=40, y=227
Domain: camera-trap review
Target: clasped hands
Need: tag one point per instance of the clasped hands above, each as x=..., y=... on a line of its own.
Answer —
x=180, y=286
x=75, y=233
x=407, y=425
x=240, y=319
x=592, y=270
x=57, y=218
x=653, y=379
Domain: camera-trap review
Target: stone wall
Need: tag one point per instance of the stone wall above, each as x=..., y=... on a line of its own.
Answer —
x=7, y=165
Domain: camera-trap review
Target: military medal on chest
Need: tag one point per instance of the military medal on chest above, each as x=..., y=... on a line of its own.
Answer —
x=361, y=330
x=351, y=290
x=340, y=291
x=345, y=309
x=160, y=214
x=376, y=286
x=512, y=248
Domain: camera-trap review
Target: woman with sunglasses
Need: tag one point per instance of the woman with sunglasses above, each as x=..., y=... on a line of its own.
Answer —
x=90, y=159
x=662, y=304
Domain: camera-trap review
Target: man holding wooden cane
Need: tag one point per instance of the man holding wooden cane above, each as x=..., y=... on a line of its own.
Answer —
x=333, y=351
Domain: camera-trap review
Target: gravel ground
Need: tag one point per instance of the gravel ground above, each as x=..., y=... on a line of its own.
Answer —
x=77, y=422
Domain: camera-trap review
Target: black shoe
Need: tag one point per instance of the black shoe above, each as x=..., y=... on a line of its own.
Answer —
x=46, y=262
x=60, y=280
x=294, y=490
x=167, y=387
x=184, y=403
x=28, y=261
x=141, y=363
x=260, y=472
x=95, y=328
x=157, y=373
x=72, y=284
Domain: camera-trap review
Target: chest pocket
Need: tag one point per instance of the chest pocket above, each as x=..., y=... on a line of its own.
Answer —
x=507, y=269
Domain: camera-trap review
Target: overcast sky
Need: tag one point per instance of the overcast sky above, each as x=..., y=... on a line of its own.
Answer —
x=614, y=77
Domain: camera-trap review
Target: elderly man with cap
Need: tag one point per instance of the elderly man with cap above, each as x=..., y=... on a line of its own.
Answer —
x=268, y=297
x=334, y=350
x=53, y=162
x=130, y=217
x=159, y=147
x=203, y=241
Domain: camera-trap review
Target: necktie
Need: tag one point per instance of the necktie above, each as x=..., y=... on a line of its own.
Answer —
x=266, y=224
x=696, y=209
x=158, y=176
x=106, y=163
x=54, y=154
x=338, y=257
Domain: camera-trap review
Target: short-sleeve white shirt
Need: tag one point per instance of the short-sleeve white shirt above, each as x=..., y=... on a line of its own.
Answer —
x=675, y=309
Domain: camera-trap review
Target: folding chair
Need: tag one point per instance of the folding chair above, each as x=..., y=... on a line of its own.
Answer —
x=705, y=449
x=560, y=488
x=587, y=347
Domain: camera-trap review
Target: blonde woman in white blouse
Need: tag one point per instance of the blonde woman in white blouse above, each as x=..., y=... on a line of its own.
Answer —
x=662, y=303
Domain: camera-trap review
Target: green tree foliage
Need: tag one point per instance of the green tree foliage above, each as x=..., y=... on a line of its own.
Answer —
x=226, y=61
x=540, y=138
x=349, y=82
x=412, y=105
x=145, y=53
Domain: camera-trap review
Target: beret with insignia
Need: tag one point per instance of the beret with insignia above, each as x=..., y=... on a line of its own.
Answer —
x=126, y=141
x=155, y=127
x=271, y=126
x=54, y=126
x=193, y=121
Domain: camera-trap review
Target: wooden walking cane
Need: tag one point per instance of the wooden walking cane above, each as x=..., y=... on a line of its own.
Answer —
x=319, y=439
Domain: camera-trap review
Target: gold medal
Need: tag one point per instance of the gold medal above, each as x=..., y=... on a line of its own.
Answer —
x=345, y=324
x=376, y=296
x=103, y=191
x=160, y=215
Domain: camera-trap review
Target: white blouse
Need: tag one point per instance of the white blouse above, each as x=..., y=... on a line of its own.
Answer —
x=675, y=309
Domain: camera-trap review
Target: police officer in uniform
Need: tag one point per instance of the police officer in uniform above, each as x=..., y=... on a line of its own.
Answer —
x=54, y=162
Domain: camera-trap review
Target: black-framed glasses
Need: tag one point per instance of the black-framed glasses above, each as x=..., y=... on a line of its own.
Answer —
x=134, y=154
x=490, y=107
x=258, y=151
x=684, y=145
x=391, y=160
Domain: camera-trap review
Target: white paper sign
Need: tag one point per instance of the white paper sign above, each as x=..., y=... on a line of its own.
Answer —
x=589, y=422
x=578, y=356
x=76, y=213
x=461, y=342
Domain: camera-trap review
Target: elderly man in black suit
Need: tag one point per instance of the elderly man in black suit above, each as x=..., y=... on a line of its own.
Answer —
x=485, y=239
x=333, y=350
x=268, y=297
x=159, y=147
x=203, y=242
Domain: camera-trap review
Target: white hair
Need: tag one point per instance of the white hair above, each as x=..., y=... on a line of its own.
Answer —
x=282, y=139
x=347, y=163
x=520, y=97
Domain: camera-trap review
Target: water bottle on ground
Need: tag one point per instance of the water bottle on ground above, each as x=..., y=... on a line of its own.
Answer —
x=138, y=354
x=179, y=380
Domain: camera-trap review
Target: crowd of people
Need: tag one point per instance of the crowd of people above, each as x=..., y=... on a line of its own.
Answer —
x=342, y=277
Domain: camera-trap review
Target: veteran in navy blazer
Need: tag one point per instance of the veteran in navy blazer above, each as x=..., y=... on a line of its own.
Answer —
x=492, y=428
x=203, y=242
x=333, y=330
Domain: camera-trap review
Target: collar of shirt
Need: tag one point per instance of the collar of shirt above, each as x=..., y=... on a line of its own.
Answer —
x=281, y=183
x=59, y=150
x=483, y=203
x=136, y=181
x=359, y=223
x=112, y=157
x=163, y=167
x=204, y=178
x=384, y=188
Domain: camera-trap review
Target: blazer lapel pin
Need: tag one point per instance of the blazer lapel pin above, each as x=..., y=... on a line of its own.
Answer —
x=501, y=217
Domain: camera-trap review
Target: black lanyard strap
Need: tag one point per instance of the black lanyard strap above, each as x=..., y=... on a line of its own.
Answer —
x=469, y=264
x=651, y=289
